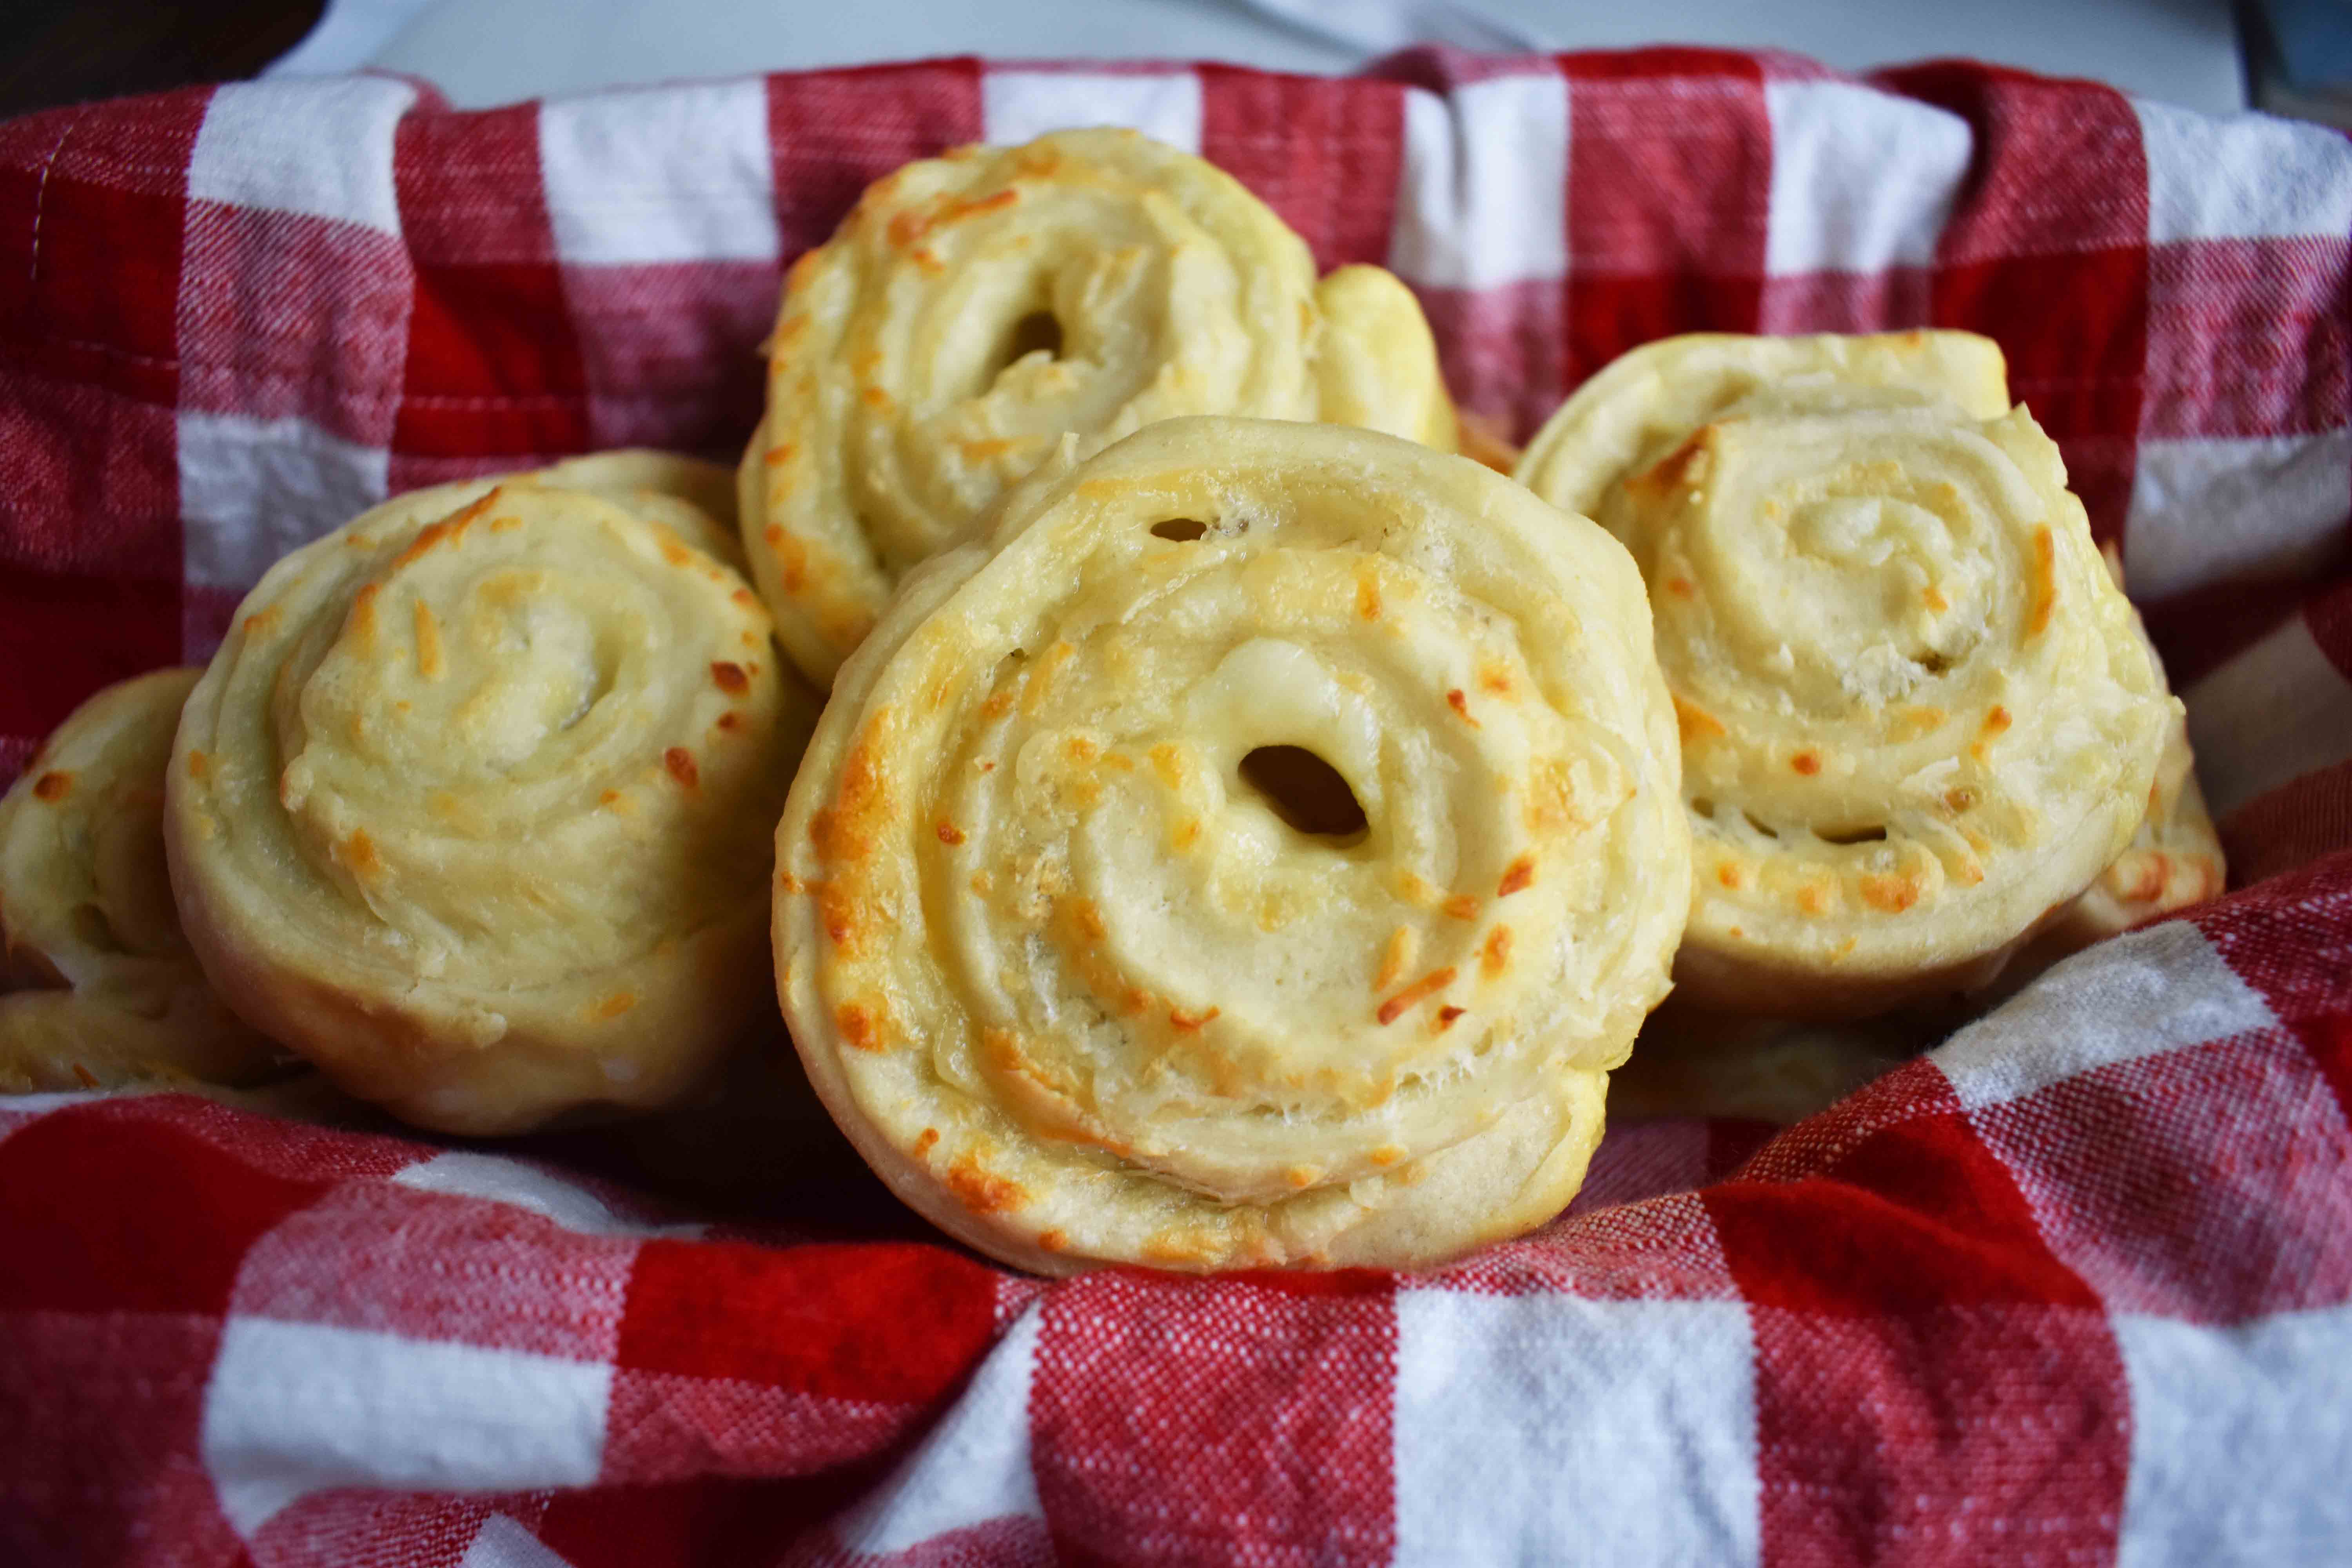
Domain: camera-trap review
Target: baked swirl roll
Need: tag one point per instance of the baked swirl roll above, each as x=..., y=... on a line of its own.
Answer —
x=1254, y=852
x=102, y=990
x=1918, y=717
x=975, y=308
x=2175, y=859
x=691, y=499
x=473, y=810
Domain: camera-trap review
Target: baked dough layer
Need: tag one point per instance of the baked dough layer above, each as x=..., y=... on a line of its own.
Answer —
x=1918, y=717
x=102, y=990
x=975, y=308
x=472, y=807
x=1079, y=988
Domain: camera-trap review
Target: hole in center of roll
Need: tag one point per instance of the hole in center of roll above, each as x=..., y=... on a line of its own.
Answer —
x=1182, y=529
x=1307, y=792
x=1037, y=329
x=1873, y=833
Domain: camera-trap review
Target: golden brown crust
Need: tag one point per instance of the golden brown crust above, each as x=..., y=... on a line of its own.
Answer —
x=471, y=808
x=1917, y=718
x=1086, y=980
x=976, y=307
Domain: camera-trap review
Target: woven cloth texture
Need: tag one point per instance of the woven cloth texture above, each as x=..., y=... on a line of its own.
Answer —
x=2076, y=1287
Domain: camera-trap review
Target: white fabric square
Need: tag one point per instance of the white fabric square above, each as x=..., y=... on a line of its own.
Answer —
x=2240, y=1441
x=672, y=174
x=297, y=1409
x=2241, y=176
x=2139, y=995
x=252, y=489
x=502, y=1181
x=2204, y=509
x=1018, y=105
x=320, y=147
x=502, y=1543
x=2275, y=712
x=1484, y=189
x=1862, y=180
x=1542, y=1429
x=974, y=1466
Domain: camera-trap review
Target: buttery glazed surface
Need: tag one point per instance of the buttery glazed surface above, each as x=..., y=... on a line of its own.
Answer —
x=109, y=994
x=1081, y=993
x=472, y=807
x=1917, y=715
x=977, y=307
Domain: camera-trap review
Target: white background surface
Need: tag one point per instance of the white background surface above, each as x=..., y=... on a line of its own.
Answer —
x=483, y=52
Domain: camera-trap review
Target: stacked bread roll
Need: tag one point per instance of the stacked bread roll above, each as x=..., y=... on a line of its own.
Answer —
x=977, y=309
x=106, y=993
x=1083, y=985
x=1922, y=728
x=471, y=811
x=1243, y=830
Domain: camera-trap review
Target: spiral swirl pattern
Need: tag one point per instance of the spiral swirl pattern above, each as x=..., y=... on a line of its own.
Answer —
x=1917, y=716
x=1086, y=980
x=473, y=809
x=976, y=307
x=106, y=991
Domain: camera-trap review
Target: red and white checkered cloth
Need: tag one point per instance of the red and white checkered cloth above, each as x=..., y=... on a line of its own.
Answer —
x=2077, y=1288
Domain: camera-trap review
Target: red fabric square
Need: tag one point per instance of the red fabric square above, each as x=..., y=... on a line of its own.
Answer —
x=285, y=314
x=2247, y=337
x=105, y=286
x=469, y=188
x=1672, y=61
x=108, y=1207
x=100, y=292
x=1606, y=316
x=1647, y=155
x=1646, y=151
x=1180, y=1421
x=832, y=133
x=2058, y=166
x=670, y=352
x=384, y=1258
x=1324, y=154
x=53, y=661
x=2214, y=1185
x=101, y=1416
x=693, y=1524
x=1908, y=1218
x=1960, y=1434
x=2290, y=940
x=28, y=152
x=667, y=1427
x=92, y=481
x=493, y=365
x=885, y=1322
x=2074, y=331
x=1661, y=1248
x=277, y=1147
x=1500, y=349
x=1885, y=301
